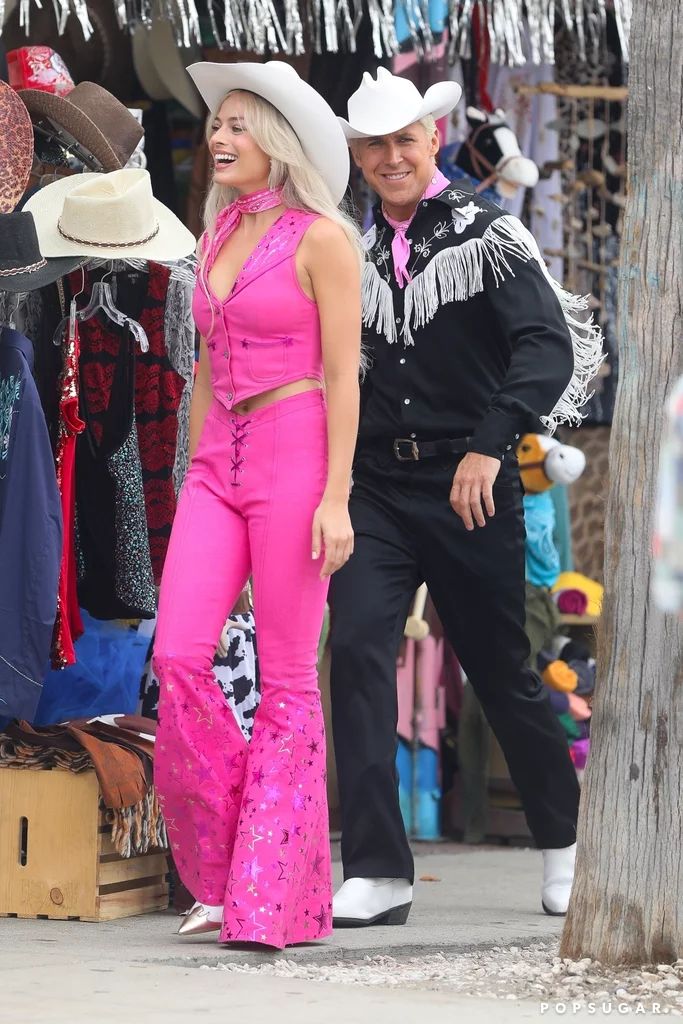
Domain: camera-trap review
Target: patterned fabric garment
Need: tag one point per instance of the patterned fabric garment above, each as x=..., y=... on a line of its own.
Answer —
x=668, y=538
x=116, y=580
x=159, y=389
x=179, y=335
x=236, y=674
x=69, y=625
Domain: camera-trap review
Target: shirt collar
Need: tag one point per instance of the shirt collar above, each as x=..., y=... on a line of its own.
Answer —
x=9, y=338
x=454, y=195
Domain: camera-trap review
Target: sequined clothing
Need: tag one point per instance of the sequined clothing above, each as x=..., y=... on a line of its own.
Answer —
x=30, y=532
x=159, y=390
x=68, y=625
x=266, y=332
x=248, y=823
x=117, y=579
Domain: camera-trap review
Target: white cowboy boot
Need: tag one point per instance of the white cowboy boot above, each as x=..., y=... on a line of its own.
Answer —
x=558, y=875
x=365, y=901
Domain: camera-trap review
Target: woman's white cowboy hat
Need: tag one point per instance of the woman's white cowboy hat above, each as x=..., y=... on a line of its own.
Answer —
x=113, y=216
x=313, y=121
x=390, y=103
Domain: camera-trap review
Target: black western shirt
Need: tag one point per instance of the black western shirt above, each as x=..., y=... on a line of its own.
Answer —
x=476, y=345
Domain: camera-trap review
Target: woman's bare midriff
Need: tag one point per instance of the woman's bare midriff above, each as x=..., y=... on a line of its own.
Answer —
x=297, y=387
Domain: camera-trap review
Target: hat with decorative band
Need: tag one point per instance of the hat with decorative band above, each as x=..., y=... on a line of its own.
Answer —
x=23, y=268
x=110, y=216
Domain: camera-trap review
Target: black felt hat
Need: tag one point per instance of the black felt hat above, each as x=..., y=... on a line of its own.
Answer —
x=22, y=267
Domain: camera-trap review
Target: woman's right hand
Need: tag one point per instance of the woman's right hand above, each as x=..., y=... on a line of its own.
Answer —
x=333, y=533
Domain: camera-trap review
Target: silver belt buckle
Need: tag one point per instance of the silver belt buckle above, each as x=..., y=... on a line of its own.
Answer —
x=414, y=450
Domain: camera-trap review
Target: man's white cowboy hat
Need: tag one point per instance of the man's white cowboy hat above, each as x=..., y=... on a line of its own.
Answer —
x=112, y=216
x=313, y=121
x=390, y=103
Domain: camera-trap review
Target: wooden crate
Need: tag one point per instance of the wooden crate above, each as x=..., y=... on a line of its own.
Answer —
x=57, y=859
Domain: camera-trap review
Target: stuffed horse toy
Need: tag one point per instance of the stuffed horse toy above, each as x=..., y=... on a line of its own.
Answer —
x=491, y=154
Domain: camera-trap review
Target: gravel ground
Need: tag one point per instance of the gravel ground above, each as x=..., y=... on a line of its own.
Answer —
x=534, y=972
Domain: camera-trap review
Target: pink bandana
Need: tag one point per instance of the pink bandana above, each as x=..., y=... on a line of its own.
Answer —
x=230, y=216
x=400, y=246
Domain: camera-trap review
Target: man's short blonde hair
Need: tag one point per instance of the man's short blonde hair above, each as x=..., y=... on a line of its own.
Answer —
x=429, y=124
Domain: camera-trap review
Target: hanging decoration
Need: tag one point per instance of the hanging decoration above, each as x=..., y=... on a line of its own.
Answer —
x=523, y=31
x=519, y=30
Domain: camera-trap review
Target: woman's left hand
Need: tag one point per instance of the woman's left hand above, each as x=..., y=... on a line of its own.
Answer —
x=332, y=531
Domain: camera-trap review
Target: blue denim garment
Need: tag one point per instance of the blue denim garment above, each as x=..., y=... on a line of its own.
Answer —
x=30, y=532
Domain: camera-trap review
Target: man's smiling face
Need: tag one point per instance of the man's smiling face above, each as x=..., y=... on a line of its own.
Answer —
x=398, y=166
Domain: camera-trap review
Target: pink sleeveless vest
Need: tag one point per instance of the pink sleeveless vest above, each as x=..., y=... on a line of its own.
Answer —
x=266, y=333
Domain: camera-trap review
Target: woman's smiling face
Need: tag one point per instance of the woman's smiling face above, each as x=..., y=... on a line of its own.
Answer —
x=238, y=162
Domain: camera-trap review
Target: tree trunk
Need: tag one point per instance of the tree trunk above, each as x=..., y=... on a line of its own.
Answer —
x=627, y=902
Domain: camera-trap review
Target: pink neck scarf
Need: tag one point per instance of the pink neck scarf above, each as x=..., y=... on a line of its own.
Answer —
x=400, y=246
x=230, y=216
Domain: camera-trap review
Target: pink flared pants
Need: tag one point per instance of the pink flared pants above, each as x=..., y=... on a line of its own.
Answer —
x=248, y=823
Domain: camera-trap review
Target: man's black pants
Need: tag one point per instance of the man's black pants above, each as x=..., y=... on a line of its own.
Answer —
x=407, y=532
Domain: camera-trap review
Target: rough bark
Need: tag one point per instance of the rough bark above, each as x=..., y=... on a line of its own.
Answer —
x=627, y=903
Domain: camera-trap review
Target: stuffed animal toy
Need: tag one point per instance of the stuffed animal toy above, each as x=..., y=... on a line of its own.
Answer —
x=491, y=154
x=543, y=462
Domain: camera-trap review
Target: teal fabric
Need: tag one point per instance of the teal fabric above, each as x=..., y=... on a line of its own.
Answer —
x=542, y=558
x=563, y=527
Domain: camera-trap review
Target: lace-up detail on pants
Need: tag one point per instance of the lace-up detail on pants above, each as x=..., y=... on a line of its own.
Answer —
x=237, y=459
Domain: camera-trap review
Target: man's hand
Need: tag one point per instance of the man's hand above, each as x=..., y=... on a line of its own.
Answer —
x=472, y=490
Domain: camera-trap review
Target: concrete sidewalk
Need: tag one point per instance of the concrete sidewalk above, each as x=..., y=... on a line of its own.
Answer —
x=138, y=971
x=480, y=897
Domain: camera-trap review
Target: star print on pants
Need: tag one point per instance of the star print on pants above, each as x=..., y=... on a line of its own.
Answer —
x=204, y=716
x=318, y=861
x=258, y=928
x=255, y=838
x=321, y=918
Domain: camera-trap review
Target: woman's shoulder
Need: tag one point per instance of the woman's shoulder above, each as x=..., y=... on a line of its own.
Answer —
x=322, y=232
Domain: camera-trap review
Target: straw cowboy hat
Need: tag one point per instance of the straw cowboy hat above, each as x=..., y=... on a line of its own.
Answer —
x=23, y=268
x=83, y=117
x=306, y=111
x=16, y=148
x=112, y=216
x=382, y=106
x=160, y=64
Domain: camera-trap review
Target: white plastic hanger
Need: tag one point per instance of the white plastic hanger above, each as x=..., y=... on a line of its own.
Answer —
x=100, y=299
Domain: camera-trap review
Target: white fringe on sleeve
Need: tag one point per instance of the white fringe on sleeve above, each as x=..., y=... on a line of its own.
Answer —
x=457, y=273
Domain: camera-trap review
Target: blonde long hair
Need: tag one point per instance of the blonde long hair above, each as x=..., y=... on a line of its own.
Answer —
x=303, y=187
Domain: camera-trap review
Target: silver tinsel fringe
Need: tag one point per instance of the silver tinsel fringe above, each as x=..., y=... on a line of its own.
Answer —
x=523, y=31
x=520, y=31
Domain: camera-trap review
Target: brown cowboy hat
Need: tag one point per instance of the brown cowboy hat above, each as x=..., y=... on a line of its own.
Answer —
x=16, y=148
x=76, y=119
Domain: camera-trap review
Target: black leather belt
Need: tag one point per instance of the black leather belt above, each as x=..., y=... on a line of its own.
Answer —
x=406, y=449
